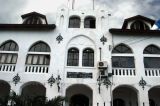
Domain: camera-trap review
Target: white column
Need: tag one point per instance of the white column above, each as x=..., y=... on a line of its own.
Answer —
x=82, y=23
x=143, y=99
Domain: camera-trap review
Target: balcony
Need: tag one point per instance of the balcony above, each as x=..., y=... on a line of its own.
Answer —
x=7, y=67
x=152, y=72
x=124, y=71
x=37, y=68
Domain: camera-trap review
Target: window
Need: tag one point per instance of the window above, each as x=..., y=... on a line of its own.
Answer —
x=74, y=22
x=139, y=25
x=121, y=48
x=151, y=50
x=125, y=62
x=9, y=46
x=38, y=59
x=152, y=62
x=40, y=47
x=8, y=57
x=152, y=59
x=90, y=22
x=121, y=61
x=73, y=57
x=33, y=20
x=39, y=54
x=88, y=58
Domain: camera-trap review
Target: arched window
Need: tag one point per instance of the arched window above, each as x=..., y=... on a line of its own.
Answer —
x=74, y=22
x=90, y=22
x=121, y=61
x=151, y=57
x=139, y=25
x=73, y=57
x=9, y=54
x=118, y=102
x=151, y=50
x=33, y=20
x=39, y=54
x=121, y=48
x=88, y=58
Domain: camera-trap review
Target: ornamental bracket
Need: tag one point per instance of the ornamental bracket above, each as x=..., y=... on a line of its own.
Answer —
x=16, y=79
x=142, y=83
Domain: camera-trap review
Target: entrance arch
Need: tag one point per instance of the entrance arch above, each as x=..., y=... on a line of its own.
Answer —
x=125, y=96
x=33, y=90
x=79, y=95
x=4, y=92
x=154, y=96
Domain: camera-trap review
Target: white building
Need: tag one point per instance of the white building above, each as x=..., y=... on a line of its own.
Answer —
x=81, y=58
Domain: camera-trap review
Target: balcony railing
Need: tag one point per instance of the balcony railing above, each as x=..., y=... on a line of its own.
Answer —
x=7, y=67
x=37, y=68
x=124, y=71
x=152, y=71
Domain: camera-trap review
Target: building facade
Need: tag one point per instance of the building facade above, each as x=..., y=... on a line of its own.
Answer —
x=82, y=58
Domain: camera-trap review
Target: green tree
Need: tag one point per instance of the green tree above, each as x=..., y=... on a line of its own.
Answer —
x=57, y=101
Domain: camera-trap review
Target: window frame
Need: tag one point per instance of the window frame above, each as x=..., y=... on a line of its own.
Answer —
x=89, y=21
x=89, y=61
x=73, y=59
x=74, y=22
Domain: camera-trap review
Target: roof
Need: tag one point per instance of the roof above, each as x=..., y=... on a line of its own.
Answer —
x=137, y=17
x=134, y=32
x=33, y=14
x=27, y=26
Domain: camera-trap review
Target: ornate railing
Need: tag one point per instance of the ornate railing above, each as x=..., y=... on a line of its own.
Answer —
x=152, y=71
x=7, y=67
x=124, y=71
x=37, y=68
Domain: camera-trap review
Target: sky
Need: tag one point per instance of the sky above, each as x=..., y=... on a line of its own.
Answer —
x=11, y=10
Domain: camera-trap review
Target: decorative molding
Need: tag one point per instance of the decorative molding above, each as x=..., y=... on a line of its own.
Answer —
x=103, y=39
x=59, y=38
x=58, y=79
x=16, y=79
x=99, y=84
x=51, y=80
x=107, y=82
x=142, y=83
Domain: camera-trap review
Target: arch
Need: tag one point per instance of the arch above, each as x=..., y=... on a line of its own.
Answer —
x=122, y=48
x=9, y=45
x=127, y=86
x=79, y=37
x=73, y=57
x=88, y=57
x=90, y=22
x=32, y=90
x=74, y=21
x=151, y=49
x=84, y=85
x=154, y=96
x=4, y=90
x=139, y=25
x=79, y=89
x=40, y=46
x=127, y=93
